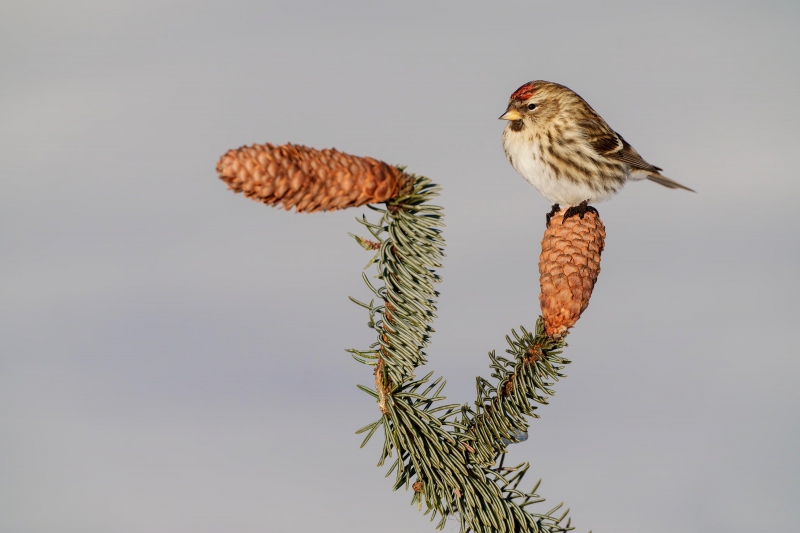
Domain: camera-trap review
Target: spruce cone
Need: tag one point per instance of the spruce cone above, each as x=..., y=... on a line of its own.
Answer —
x=310, y=180
x=568, y=268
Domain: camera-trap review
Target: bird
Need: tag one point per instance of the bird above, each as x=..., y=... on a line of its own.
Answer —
x=564, y=148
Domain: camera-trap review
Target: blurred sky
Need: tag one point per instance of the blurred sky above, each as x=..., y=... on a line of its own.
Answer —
x=171, y=354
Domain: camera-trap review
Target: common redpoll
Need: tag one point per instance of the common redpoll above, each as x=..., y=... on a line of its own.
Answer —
x=557, y=142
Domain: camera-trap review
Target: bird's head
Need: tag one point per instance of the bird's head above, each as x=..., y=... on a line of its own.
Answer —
x=535, y=103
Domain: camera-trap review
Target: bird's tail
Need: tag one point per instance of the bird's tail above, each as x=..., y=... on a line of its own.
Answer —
x=666, y=182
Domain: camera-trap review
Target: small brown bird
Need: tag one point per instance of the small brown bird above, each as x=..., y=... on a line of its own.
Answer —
x=557, y=142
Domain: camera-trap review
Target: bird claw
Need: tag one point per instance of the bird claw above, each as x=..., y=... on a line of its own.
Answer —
x=553, y=210
x=580, y=210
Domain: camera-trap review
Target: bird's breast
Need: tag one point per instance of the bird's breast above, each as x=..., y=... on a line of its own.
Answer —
x=543, y=165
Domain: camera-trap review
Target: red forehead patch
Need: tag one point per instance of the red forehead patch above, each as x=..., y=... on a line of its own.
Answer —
x=524, y=92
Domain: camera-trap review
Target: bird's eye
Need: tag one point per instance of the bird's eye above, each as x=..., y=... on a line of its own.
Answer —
x=531, y=106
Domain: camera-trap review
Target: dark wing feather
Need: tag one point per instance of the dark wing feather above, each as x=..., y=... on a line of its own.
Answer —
x=609, y=143
x=632, y=157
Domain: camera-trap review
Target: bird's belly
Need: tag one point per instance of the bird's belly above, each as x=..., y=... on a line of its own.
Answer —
x=557, y=188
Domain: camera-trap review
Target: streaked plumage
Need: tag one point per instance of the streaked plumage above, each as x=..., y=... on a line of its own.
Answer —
x=557, y=142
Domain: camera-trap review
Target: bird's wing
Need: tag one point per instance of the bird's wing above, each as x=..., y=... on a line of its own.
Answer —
x=608, y=143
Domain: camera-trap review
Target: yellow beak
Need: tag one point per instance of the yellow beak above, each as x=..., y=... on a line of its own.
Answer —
x=511, y=114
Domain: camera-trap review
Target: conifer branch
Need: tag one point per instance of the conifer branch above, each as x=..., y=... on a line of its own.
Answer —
x=450, y=455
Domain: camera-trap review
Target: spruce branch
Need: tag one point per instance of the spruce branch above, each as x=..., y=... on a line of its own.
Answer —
x=450, y=455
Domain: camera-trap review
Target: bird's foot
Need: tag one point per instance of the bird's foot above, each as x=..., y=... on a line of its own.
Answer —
x=555, y=209
x=580, y=210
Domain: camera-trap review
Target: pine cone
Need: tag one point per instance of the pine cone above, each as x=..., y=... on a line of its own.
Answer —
x=310, y=180
x=568, y=268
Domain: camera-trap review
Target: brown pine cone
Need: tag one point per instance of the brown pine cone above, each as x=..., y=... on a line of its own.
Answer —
x=308, y=179
x=568, y=268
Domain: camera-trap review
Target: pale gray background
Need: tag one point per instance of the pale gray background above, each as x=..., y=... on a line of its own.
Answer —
x=172, y=354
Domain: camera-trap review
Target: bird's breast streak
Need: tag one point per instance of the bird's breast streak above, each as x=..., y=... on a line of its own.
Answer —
x=527, y=158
